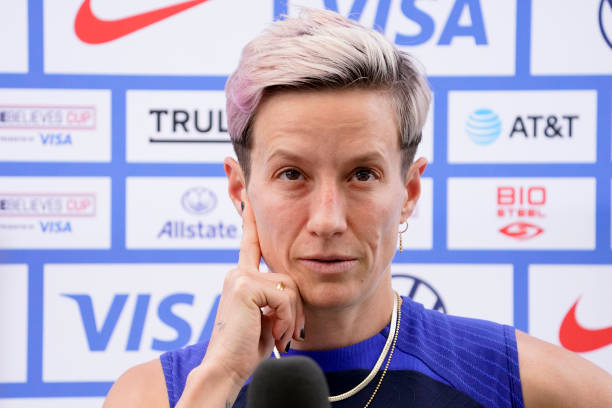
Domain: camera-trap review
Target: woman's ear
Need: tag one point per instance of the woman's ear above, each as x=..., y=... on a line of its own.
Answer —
x=236, y=184
x=412, y=183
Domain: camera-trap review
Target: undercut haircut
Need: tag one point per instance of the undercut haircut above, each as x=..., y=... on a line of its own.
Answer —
x=323, y=50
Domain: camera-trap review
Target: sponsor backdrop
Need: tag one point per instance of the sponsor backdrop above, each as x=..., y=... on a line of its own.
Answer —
x=116, y=230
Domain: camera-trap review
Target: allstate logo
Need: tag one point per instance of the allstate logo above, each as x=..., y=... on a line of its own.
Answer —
x=483, y=126
x=605, y=21
x=199, y=200
x=419, y=291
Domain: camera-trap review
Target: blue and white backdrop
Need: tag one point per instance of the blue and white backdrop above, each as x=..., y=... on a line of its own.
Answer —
x=115, y=228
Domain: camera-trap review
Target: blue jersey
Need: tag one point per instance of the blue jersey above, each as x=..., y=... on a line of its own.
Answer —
x=438, y=361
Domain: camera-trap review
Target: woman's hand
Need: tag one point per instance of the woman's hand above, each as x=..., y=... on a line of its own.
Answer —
x=256, y=311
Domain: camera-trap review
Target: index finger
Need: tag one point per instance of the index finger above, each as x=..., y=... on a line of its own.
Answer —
x=250, y=252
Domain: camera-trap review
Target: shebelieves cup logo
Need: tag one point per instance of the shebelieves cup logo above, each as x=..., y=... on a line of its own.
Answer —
x=60, y=207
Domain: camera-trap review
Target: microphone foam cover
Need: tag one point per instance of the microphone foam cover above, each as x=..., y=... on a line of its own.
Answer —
x=295, y=382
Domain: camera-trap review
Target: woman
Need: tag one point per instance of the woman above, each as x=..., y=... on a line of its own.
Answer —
x=325, y=117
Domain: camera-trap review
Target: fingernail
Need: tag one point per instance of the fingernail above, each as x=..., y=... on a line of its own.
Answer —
x=303, y=333
x=242, y=205
x=287, y=348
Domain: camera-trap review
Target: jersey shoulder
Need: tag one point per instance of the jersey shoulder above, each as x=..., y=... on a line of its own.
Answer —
x=476, y=356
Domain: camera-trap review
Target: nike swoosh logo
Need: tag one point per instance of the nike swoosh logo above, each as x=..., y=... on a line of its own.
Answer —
x=92, y=30
x=576, y=338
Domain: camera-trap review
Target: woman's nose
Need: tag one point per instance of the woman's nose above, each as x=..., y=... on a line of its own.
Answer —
x=327, y=215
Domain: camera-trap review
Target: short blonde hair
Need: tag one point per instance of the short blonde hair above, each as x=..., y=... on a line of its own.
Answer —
x=321, y=49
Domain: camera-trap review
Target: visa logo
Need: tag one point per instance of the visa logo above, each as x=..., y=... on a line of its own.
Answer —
x=55, y=227
x=455, y=25
x=56, y=139
x=99, y=333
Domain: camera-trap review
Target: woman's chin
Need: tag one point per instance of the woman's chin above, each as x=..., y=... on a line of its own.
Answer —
x=329, y=295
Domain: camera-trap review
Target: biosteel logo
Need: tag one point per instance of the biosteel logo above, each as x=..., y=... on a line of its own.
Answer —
x=523, y=205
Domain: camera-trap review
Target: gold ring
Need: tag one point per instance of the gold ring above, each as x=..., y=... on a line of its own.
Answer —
x=280, y=286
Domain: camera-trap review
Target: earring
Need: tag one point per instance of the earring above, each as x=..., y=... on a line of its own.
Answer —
x=401, y=248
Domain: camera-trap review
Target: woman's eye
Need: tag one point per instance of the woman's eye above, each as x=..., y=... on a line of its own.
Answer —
x=364, y=175
x=291, y=175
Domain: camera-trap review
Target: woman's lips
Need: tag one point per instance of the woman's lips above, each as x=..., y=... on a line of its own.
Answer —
x=328, y=266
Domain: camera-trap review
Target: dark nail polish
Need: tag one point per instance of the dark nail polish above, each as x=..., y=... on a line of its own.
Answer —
x=287, y=348
x=303, y=333
x=242, y=205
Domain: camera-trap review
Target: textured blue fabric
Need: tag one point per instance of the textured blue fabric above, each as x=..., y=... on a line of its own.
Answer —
x=476, y=357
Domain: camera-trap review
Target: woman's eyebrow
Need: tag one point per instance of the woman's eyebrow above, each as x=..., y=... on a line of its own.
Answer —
x=284, y=154
x=372, y=156
x=362, y=157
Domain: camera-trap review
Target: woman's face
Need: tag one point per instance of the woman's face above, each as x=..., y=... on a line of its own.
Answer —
x=327, y=191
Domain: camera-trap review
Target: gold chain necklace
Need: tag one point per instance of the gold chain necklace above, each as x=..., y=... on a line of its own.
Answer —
x=399, y=318
x=389, y=344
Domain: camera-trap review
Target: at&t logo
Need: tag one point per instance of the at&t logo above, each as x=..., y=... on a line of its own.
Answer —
x=523, y=202
x=483, y=126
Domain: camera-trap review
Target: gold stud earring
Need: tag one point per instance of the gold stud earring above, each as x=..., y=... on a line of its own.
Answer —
x=401, y=247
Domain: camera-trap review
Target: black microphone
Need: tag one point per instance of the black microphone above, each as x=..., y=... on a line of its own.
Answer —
x=295, y=382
